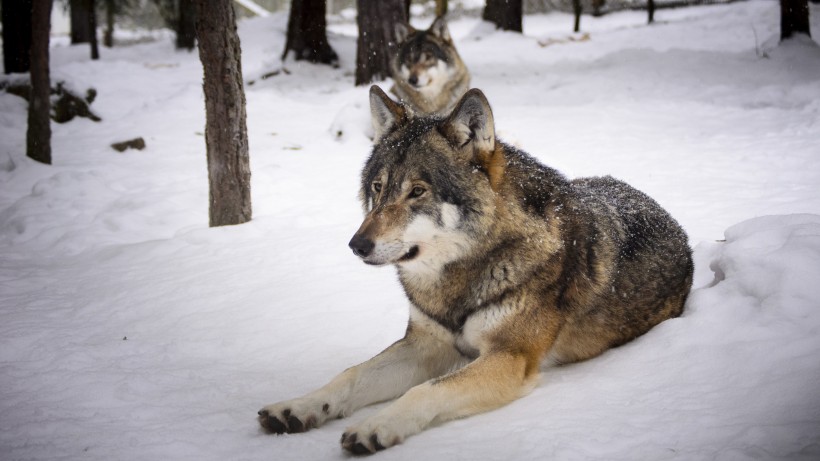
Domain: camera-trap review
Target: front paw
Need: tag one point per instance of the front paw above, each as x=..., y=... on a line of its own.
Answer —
x=373, y=435
x=293, y=416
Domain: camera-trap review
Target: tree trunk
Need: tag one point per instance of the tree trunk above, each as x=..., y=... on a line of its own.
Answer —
x=16, y=35
x=577, y=9
x=377, y=37
x=794, y=18
x=506, y=14
x=650, y=8
x=307, y=33
x=226, y=133
x=108, y=37
x=92, y=27
x=38, y=135
x=441, y=8
x=186, y=25
x=80, y=22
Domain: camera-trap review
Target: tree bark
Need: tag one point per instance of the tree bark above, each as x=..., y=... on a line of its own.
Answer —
x=108, y=37
x=226, y=134
x=80, y=12
x=794, y=18
x=307, y=33
x=186, y=25
x=377, y=37
x=505, y=14
x=16, y=35
x=441, y=8
x=38, y=135
x=577, y=9
x=92, y=27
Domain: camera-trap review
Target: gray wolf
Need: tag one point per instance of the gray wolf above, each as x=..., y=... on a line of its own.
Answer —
x=507, y=264
x=429, y=74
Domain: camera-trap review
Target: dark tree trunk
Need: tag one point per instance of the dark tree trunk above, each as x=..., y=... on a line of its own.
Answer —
x=226, y=133
x=307, y=33
x=794, y=18
x=38, y=135
x=108, y=37
x=505, y=14
x=84, y=25
x=92, y=27
x=650, y=8
x=80, y=22
x=16, y=35
x=441, y=8
x=377, y=37
x=186, y=25
x=577, y=9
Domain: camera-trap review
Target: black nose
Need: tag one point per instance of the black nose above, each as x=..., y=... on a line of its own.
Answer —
x=361, y=246
x=413, y=80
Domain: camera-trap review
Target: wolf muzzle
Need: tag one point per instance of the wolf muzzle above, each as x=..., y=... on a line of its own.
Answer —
x=361, y=245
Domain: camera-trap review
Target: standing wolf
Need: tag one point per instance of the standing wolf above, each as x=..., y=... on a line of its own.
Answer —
x=428, y=72
x=507, y=265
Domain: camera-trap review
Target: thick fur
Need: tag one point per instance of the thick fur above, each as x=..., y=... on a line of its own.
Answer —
x=507, y=264
x=429, y=75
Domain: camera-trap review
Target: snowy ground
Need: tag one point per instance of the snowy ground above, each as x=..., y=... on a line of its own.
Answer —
x=130, y=330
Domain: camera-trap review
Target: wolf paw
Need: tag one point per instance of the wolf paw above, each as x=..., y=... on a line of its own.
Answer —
x=293, y=416
x=372, y=436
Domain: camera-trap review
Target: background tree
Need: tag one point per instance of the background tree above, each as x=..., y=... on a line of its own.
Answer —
x=186, y=24
x=505, y=14
x=84, y=25
x=226, y=133
x=441, y=8
x=794, y=18
x=16, y=18
x=377, y=37
x=307, y=33
x=577, y=9
x=650, y=8
x=38, y=135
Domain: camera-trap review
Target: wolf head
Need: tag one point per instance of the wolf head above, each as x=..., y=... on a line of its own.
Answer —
x=427, y=188
x=427, y=58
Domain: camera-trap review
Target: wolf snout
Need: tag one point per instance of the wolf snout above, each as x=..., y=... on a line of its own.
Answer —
x=361, y=246
x=414, y=80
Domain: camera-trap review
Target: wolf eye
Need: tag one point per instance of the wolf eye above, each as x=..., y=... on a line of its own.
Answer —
x=417, y=192
x=377, y=187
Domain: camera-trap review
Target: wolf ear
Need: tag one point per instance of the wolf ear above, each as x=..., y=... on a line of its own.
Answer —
x=439, y=29
x=402, y=31
x=385, y=114
x=472, y=122
x=471, y=129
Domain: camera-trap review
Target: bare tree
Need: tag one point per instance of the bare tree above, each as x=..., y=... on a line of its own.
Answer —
x=84, y=25
x=226, y=133
x=505, y=14
x=650, y=8
x=186, y=25
x=794, y=18
x=307, y=33
x=377, y=37
x=16, y=35
x=577, y=9
x=38, y=135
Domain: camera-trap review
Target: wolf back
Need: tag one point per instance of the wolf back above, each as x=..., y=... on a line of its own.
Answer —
x=428, y=72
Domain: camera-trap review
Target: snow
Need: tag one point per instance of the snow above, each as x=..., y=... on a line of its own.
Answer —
x=131, y=330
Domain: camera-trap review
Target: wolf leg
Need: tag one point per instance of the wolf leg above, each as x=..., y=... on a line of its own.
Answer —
x=416, y=358
x=489, y=382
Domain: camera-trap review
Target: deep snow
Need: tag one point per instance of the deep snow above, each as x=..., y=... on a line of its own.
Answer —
x=130, y=330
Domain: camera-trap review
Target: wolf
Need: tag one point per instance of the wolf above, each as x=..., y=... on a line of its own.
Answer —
x=509, y=267
x=429, y=74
